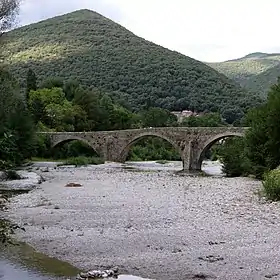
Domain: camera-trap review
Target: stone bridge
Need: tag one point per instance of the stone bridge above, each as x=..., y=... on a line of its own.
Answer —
x=190, y=142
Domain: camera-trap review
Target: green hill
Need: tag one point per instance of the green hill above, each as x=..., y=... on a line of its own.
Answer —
x=98, y=52
x=256, y=72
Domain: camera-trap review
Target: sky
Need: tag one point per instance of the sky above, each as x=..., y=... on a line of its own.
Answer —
x=207, y=30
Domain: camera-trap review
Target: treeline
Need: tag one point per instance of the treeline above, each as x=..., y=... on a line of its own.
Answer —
x=57, y=105
x=258, y=153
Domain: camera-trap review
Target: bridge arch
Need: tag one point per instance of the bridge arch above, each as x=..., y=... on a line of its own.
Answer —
x=69, y=138
x=210, y=142
x=125, y=149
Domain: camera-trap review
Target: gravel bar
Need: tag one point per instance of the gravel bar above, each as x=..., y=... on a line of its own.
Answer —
x=154, y=224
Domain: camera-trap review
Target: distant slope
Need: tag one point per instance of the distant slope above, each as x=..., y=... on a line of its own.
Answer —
x=98, y=52
x=256, y=72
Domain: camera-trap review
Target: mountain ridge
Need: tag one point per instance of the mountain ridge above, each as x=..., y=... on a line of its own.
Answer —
x=256, y=72
x=103, y=54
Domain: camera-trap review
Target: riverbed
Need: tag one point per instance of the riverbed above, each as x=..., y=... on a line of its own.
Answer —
x=152, y=222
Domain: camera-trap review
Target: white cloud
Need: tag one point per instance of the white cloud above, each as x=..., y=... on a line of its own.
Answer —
x=208, y=30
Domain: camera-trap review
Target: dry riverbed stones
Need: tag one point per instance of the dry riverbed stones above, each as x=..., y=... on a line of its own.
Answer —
x=97, y=274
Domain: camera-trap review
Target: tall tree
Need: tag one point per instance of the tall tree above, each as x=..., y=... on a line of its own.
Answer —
x=262, y=139
x=16, y=127
x=31, y=82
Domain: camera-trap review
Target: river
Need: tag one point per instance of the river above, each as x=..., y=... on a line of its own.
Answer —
x=23, y=262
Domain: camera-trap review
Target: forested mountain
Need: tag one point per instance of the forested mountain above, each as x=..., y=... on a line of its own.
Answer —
x=256, y=72
x=99, y=53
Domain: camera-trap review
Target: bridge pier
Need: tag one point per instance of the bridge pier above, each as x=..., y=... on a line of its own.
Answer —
x=190, y=157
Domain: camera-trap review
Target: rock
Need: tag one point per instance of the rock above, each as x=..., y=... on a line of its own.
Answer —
x=29, y=181
x=271, y=275
x=73, y=185
x=211, y=258
x=176, y=250
x=45, y=169
x=94, y=274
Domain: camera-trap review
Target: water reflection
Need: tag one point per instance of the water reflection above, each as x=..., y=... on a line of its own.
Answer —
x=24, y=263
x=10, y=271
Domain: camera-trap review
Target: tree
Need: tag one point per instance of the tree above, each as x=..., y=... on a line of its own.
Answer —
x=16, y=126
x=8, y=11
x=52, y=109
x=70, y=88
x=206, y=120
x=157, y=117
x=232, y=156
x=263, y=145
x=232, y=114
x=31, y=82
x=52, y=82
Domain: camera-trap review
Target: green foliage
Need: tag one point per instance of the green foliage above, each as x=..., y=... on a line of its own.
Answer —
x=271, y=184
x=232, y=114
x=12, y=175
x=256, y=72
x=72, y=149
x=31, y=83
x=52, y=82
x=153, y=148
x=7, y=229
x=16, y=127
x=262, y=139
x=162, y=161
x=260, y=149
x=81, y=160
x=52, y=109
x=205, y=120
x=157, y=117
x=232, y=156
x=102, y=54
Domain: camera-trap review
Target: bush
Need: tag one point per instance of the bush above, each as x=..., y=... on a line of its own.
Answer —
x=271, y=184
x=79, y=161
x=12, y=175
x=232, y=155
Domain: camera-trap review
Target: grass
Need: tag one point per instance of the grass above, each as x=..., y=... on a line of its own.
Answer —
x=80, y=161
x=38, y=159
x=271, y=185
x=162, y=161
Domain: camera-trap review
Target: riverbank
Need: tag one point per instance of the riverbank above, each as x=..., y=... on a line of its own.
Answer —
x=153, y=224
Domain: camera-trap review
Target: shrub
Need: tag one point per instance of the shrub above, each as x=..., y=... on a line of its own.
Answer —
x=79, y=161
x=12, y=175
x=232, y=155
x=271, y=184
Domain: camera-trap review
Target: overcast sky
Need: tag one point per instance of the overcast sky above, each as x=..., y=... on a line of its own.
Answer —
x=207, y=30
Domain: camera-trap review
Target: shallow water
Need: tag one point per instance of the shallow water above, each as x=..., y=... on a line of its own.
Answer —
x=212, y=168
x=24, y=263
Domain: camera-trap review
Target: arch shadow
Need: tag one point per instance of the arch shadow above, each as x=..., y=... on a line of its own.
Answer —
x=60, y=143
x=125, y=151
x=209, y=143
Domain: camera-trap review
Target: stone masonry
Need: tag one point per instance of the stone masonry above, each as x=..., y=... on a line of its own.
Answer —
x=191, y=142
